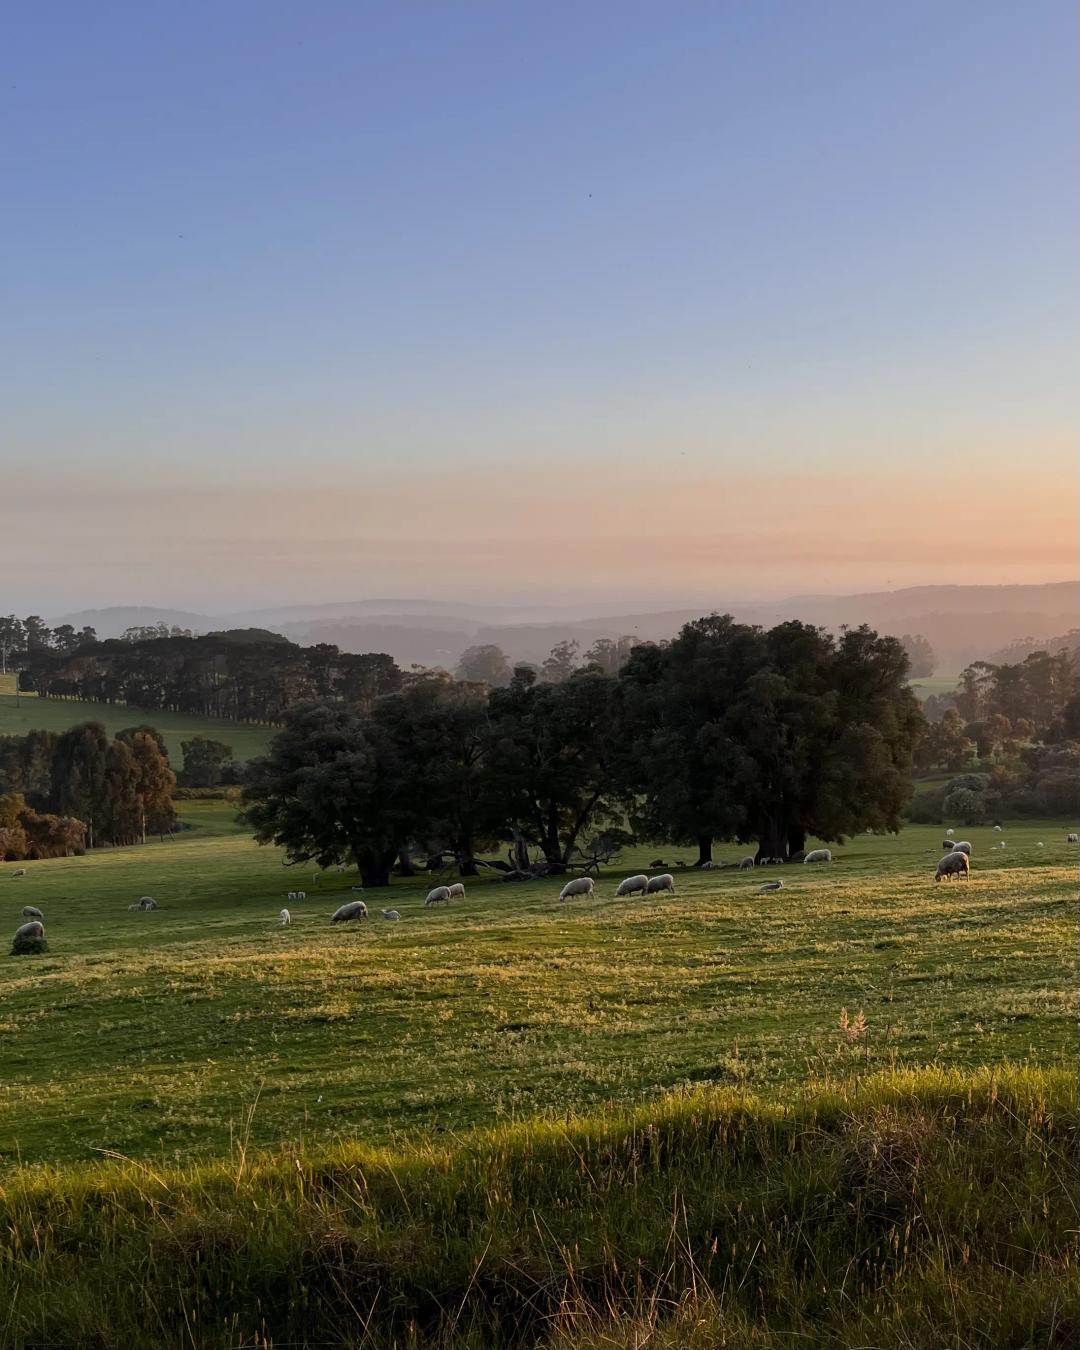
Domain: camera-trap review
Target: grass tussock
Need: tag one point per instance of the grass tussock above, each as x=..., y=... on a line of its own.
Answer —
x=907, y=1209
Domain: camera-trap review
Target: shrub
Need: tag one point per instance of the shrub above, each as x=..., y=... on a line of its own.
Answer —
x=966, y=805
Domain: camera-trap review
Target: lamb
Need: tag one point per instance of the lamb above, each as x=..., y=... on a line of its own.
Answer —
x=457, y=891
x=34, y=929
x=389, y=913
x=285, y=918
x=632, y=885
x=577, y=886
x=145, y=902
x=1072, y=838
x=439, y=896
x=746, y=863
x=962, y=847
x=664, y=882
x=953, y=865
x=772, y=886
x=29, y=912
x=817, y=855
x=355, y=909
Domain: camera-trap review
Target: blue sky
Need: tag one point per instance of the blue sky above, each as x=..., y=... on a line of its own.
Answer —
x=292, y=292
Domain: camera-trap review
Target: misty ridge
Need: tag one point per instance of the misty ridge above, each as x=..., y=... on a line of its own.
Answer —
x=961, y=623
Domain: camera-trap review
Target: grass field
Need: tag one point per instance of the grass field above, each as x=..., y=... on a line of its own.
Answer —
x=26, y=712
x=161, y=1035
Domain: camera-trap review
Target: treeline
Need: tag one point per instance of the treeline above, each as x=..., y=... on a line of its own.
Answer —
x=246, y=676
x=32, y=637
x=104, y=791
x=729, y=732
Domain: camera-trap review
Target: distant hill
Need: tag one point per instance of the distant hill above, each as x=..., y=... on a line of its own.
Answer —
x=962, y=623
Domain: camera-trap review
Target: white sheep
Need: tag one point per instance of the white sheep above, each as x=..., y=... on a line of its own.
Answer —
x=439, y=895
x=29, y=912
x=19, y=872
x=818, y=855
x=962, y=847
x=772, y=886
x=950, y=831
x=35, y=928
x=301, y=895
x=746, y=863
x=998, y=828
x=953, y=865
x=632, y=885
x=1040, y=845
x=389, y=913
x=457, y=891
x=1072, y=839
x=355, y=909
x=664, y=882
x=291, y=895
x=285, y=918
x=576, y=886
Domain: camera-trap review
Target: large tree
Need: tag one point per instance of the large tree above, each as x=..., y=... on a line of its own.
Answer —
x=485, y=664
x=332, y=790
x=732, y=732
x=551, y=763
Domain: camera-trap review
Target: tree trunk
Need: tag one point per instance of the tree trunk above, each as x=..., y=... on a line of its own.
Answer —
x=704, y=849
x=773, y=840
x=374, y=867
x=796, y=839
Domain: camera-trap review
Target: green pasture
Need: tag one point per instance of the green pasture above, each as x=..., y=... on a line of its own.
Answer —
x=20, y=713
x=167, y=1034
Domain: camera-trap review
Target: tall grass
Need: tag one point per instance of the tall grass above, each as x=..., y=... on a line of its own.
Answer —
x=907, y=1210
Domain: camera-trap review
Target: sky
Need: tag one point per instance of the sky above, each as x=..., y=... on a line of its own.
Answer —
x=560, y=301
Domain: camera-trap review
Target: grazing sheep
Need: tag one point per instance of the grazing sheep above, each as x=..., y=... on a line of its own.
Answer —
x=658, y=862
x=1002, y=844
x=746, y=864
x=146, y=902
x=439, y=896
x=301, y=895
x=1072, y=839
x=389, y=913
x=950, y=831
x=34, y=929
x=998, y=828
x=1040, y=845
x=19, y=872
x=772, y=886
x=457, y=891
x=800, y=854
x=632, y=885
x=664, y=882
x=577, y=886
x=962, y=847
x=285, y=917
x=29, y=912
x=355, y=909
x=817, y=855
x=953, y=865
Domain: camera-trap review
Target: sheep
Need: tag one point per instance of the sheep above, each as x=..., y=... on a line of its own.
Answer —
x=389, y=913
x=19, y=872
x=145, y=902
x=746, y=863
x=817, y=855
x=658, y=862
x=632, y=885
x=664, y=882
x=355, y=909
x=962, y=847
x=356, y=888
x=34, y=929
x=285, y=918
x=301, y=895
x=998, y=828
x=1072, y=838
x=577, y=886
x=291, y=895
x=1040, y=845
x=772, y=886
x=953, y=865
x=950, y=831
x=29, y=912
x=439, y=896
x=457, y=891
